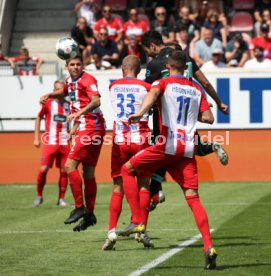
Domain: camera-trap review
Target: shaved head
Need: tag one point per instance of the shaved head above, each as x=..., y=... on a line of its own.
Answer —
x=131, y=63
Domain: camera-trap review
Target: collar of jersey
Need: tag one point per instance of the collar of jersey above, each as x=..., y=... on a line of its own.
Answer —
x=78, y=77
x=129, y=78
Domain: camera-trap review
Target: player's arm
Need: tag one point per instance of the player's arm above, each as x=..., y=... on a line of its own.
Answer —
x=206, y=117
x=200, y=77
x=57, y=93
x=148, y=102
x=94, y=103
x=37, y=132
x=73, y=130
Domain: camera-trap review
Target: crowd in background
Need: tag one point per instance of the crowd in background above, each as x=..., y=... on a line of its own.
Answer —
x=204, y=29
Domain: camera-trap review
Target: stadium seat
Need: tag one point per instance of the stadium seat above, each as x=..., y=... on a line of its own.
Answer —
x=144, y=17
x=241, y=22
x=120, y=5
x=243, y=4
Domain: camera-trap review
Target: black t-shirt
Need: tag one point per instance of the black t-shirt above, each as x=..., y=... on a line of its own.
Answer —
x=156, y=69
x=78, y=36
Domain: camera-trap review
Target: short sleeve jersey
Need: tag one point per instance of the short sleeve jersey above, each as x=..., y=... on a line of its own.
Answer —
x=127, y=95
x=114, y=26
x=80, y=92
x=56, y=126
x=179, y=104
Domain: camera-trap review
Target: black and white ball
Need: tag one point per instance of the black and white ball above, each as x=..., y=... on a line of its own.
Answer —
x=66, y=48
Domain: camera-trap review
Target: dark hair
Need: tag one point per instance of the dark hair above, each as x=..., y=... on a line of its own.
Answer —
x=259, y=48
x=177, y=60
x=152, y=37
x=76, y=57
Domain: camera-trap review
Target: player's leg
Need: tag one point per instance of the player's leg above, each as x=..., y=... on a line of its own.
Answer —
x=115, y=208
x=185, y=174
x=71, y=167
x=144, y=198
x=41, y=181
x=63, y=177
x=47, y=160
x=204, y=148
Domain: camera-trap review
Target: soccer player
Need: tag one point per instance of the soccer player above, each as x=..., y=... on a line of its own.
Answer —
x=156, y=69
x=127, y=95
x=82, y=89
x=55, y=138
x=181, y=103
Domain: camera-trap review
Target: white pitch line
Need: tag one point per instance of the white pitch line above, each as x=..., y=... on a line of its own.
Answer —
x=180, y=247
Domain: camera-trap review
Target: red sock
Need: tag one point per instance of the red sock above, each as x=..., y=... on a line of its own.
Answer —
x=131, y=192
x=62, y=184
x=90, y=193
x=115, y=209
x=201, y=219
x=41, y=180
x=76, y=187
x=144, y=197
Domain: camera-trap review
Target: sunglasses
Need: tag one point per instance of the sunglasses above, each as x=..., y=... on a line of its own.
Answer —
x=103, y=34
x=106, y=11
x=162, y=13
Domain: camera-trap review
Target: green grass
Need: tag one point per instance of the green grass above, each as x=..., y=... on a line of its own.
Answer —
x=36, y=242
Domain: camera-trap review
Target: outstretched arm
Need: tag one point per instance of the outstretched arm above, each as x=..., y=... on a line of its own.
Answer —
x=200, y=77
x=148, y=102
x=37, y=132
x=56, y=94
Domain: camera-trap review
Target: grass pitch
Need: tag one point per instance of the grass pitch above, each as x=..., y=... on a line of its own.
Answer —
x=36, y=241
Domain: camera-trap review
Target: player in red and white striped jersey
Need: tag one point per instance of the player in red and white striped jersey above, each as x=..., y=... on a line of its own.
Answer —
x=55, y=140
x=127, y=95
x=84, y=96
x=181, y=103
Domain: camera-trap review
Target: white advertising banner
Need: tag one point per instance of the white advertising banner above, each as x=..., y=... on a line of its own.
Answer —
x=248, y=94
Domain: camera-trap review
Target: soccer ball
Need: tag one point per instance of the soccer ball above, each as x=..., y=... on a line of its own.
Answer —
x=66, y=48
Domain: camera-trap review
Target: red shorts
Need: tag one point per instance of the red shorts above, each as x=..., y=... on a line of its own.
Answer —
x=54, y=152
x=87, y=146
x=182, y=169
x=121, y=153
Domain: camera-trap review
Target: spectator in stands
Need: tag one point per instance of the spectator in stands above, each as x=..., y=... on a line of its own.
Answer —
x=25, y=65
x=263, y=40
x=88, y=9
x=204, y=47
x=182, y=39
x=216, y=61
x=265, y=17
x=260, y=6
x=259, y=61
x=217, y=27
x=83, y=35
x=113, y=25
x=133, y=48
x=162, y=26
x=237, y=51
x=2, y=56
x=134, y=26
x=104, y=53
x=192, y=28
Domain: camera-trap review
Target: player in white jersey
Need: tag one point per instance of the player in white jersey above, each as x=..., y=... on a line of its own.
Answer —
x=55, y=140
x=181, y=103
x=127, y=95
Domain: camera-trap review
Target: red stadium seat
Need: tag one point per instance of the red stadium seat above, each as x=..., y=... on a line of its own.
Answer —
x=119, y=5
x=144, y=17
x=241, y=22
x=243, y=4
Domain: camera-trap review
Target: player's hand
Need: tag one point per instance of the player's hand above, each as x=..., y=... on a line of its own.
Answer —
x=36, y=143
x=135, y=118
x=73, y=116
x=223, y=108
x=44, y=98
x=210, y=104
